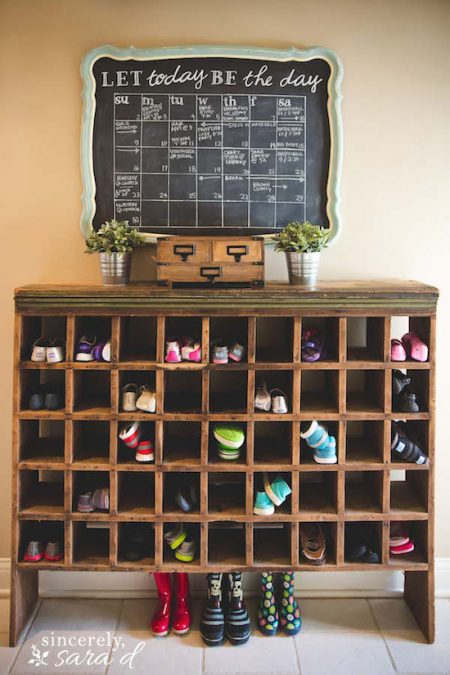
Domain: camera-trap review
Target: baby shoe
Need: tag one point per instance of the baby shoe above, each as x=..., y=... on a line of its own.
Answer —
x=129, y=395
x=130, y=434
x=145, y=451
x=146, y=400
x=220, y=354
x=173, y=352
x=85, y=348
x=236, y=352
x=190, y=350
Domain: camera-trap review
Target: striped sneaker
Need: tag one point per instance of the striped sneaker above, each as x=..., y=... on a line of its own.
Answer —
x=237, y=622
x=212, y=623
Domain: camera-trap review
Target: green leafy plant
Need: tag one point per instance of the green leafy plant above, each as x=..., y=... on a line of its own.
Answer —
x=114, y=237
x=302, y=238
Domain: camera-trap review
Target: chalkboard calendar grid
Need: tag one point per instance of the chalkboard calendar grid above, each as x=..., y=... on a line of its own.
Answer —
x=197, y=160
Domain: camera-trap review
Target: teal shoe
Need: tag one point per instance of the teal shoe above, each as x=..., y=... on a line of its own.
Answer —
x=328, y=454
x=290, y=619
x=263, y=505
x=229, y=436
x=316, y=436
x=278, y=490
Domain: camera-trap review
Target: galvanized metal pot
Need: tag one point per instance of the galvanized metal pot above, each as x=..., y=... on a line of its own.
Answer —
x=303, y=268
x=115, y=268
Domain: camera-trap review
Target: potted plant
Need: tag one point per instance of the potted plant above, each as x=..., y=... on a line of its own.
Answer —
x=114, y=242
x=302, y=244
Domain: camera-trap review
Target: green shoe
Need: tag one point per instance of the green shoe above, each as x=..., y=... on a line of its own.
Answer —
x=263, y=506
x=277, y=490
x=267, y=614
x=290, y=619
x=230, y=436
x=227, y=453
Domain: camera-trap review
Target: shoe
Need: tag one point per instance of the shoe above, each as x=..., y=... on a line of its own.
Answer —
x=186, y=552
x=237, y=622
x=146, y=400
x=277, y=490
x=39, y=350
x=181, y=619
x=399, y=382
x=313, y=543
x=403, y=448
x=187, y=498
x=161, y=617
x=176, y=536
x=37, y=401
x=360, y=544
x=130, y=434
x=106, y=351
x=53, y=401
x=173, y=353
x=407, y=402
x=135, y=546
x=398, y=535
x=230, y=436
x=279, y=402
x=398, y=352
x=53, y=552
x=100, y=499
x=129, y=395
x=408, y=547
x=267, y=614
x=85, y=504
x=313, y=345
x=85, y=348
x=190, y=350
x=102, y=351
x=290, y=619
x=212, y=622
x=263, y=400
x=236, y=352
x=263, y=506
x=323, y=445
x=145, y=452
x=327, y=455
x=415, y=348
x=220, y=354
x=34, y=552
x=226, y=453
x=56, y=351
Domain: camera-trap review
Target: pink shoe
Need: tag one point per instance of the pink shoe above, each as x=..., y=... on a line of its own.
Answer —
x=173, y=354
x=414, y=347
x=398, y=352
x=190, y=350
x=130, y=434
x=403, y=548
x=398, y=535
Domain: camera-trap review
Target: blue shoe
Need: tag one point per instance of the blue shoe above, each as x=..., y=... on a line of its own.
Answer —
x=37, y=402
x=328, y=454
x=263, y=506
x=316, y=436
x=277, y=490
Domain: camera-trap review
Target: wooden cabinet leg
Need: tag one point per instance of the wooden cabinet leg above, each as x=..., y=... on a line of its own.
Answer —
x=419, y=595
x=24, y=596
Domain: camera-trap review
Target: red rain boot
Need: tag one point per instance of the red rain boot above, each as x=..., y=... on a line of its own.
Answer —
x=161, y=617
x=181, y=612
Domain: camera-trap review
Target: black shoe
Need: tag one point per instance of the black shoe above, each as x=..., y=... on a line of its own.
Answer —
x=237, y=622
x=212, y=626
x=399, y=382
x=407, y=402
x=403, y=448
x=360, y=544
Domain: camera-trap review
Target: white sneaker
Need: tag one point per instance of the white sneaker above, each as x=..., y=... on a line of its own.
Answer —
x=146, y=400
x=129, y=395
x=56, y=351
x=279, y=402
x=106, y=351
x=263, y=400
x=39, y=351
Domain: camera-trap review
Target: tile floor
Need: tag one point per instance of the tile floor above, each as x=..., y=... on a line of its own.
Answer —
x=345, y=637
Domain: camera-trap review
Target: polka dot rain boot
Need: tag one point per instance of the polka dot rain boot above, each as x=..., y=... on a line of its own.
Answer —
x=290, y=619
x=267, y=615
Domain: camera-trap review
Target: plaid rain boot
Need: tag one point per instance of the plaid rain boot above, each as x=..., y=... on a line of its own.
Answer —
x=212, y=626
x=237, y=622
x=267, y=614
x=290, y=619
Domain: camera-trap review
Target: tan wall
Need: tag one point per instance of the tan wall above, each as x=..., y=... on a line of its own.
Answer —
x=396, y=114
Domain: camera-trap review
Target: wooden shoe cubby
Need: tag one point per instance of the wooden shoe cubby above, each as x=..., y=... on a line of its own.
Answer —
x=57, y=454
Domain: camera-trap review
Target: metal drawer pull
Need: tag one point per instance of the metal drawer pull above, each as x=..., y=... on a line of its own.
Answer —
x=237, y=252
x=184, y=251
x=210, y=272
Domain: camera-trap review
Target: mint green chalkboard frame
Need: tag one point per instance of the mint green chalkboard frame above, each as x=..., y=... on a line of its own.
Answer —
x=292, y=54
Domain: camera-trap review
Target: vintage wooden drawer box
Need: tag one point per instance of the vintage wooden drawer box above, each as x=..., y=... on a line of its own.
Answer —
x=206, y=260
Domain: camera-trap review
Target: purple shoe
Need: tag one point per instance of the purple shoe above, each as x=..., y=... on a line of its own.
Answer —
x=85, y=347
x=313, y=345
x=102, y=351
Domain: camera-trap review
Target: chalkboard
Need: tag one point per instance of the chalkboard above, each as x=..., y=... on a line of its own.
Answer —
x=210, y=140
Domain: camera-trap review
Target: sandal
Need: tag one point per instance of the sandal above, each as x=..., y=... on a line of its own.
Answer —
x=263, y=400
x=407, y=450
x=146, y=400
x=279, y=402
x=398, y=352
x=414, y=347
x=313, y=345
x=129, y=395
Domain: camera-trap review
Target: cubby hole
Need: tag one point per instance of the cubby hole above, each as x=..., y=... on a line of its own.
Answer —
x=41, y=492
x=228, y=391
x=136, y=544
x=417, y=531
x=409, y=491
x=325, y=328
x=272, y=380
x=420, y=325
x=273, y=443
x=140, y=378
x=36, y=327
x=329, y=530
x=96, y=328
x=226, y=544
x=126, y=455
x=92, y=391
x=43, y=382
x=365, y=442
x=227, y=331
x=365, y=338
x=136, y=493
x=91, y=442
x=318, y=492
x=192, y=534
x=226, y=493
x=363, y=492
x=182, y=443
x=416, y=431
x=181, y=487
x=88, y=481
x=41, y=440
x=419, y=385
x=272, y=544
x=178, y=327
x=359, y=534
x=319, y=391
x=262, y=482
x=91, y=543
x=213, y=449
x=183, y=392
x=43, y=531
x=307, y=453
x=274, y=339
x=365, y=391
x=138, y=338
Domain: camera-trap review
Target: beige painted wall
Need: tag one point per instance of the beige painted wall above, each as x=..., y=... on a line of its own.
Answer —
x=396, y=114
